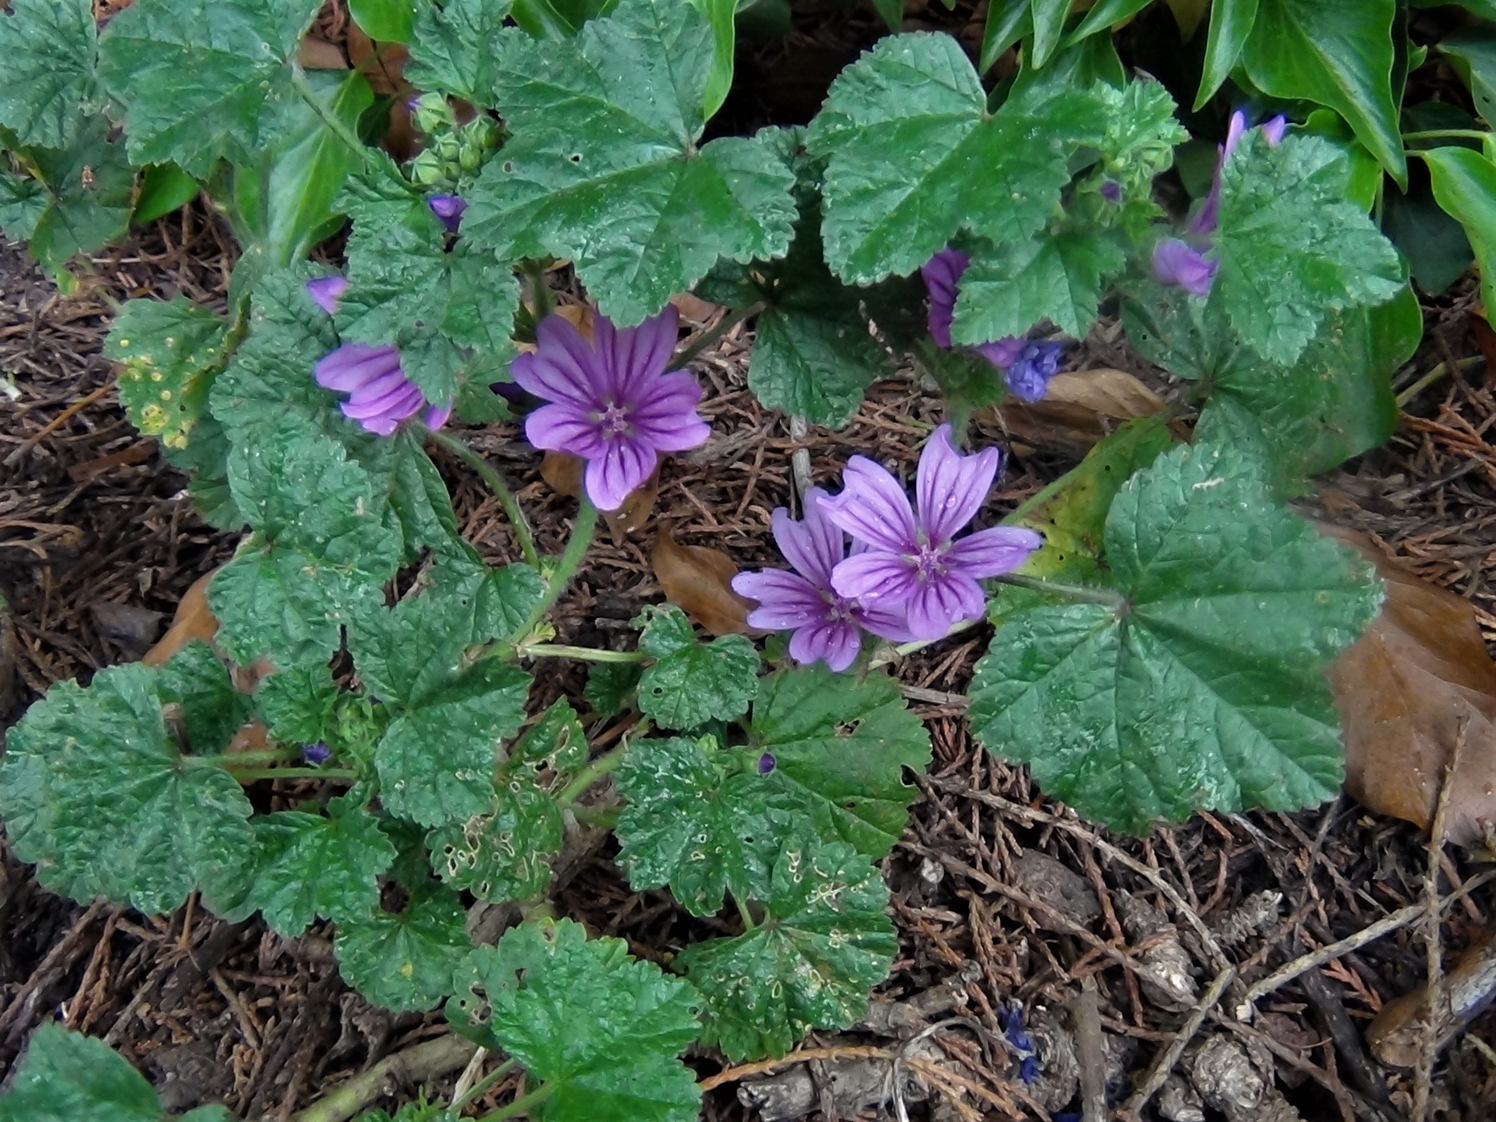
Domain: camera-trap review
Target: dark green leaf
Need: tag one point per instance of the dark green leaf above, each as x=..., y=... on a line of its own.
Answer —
x=823, y=944
x=405, y=962
x=503, y=854
x=1007, y=22
x=552, y=749
x=78, y=201
x=1230, y=23
x=65, y=1076
x=892, y=12
x=206, y=460
x=1473, y=53
x=212, y=709
x=169, y=353
x=610, y=685
x=389, y=21
x=454, y=48
x=1056, y=277
x=1103, y=14
x=721, y=15
x=1207, y=690
x=50, y=90
x=692, y=682
x=618, y=1064
x=1049, y=28
x=164, y=188
x=296, y=704
x=1435, y=244
x=1464, y=184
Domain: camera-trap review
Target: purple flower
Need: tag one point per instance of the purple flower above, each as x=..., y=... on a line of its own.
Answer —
x=1177, y=262
x=766, y=763
x=1028, y=375
x=612, y=401
x=316, y=754
x=327, y=291
x=1111, y=191
x=913, y=559
x=1208, y=217
x=449, y=209
x=1020, y=1042
x=380, y=396
x=828, y=627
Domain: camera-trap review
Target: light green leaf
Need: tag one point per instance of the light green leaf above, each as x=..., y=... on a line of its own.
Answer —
x=1049, y=27
x=840, y=747
x=1230, y=24
x=1206, y=689
x=822, y=945
x=66, y=1076
x=1473, y=54
x=691, y=682
x=721, y=15
x=1291, y=247
x=195, y=76
x=297, y=703
x=50, y=89
x=1058, y=277
x=169, y=353
x=314, y=865
x=389, y=21
x=915, y=157
x=78, y=199
x=212, y=709
x=164, y=188
x=1338, y=53
x=618, y=1064
x=94, y=792
x=1007, y=22
x=1103, y=15
x=404, y=962
x=604, y=168
x=454, y=48
x=1464, y=183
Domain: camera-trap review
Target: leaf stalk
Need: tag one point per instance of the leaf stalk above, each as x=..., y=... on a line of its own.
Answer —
x=495, y=483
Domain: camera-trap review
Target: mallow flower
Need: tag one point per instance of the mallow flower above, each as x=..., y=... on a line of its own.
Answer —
x=449, y=209
x=612, y=402
x=380, y=396
x=827, y=626
x=912, y=562
x=1026, y=365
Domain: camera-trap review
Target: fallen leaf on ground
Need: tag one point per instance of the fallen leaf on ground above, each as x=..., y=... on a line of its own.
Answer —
x=193, y=620
x=384, y=67
x=1396, y=1035
x=129, y=626
x=1411, y=688
x=578, y=315
x=1080, y=407
x=319, y=54
x=694, y=308
x=563, y=473
x=698, y=580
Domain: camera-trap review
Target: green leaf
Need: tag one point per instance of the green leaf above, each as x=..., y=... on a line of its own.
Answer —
x=78, y=199
x=389, y=21
x=823, y=944
x=1291, y=247
x=619, y=1064
x=1435, y=244
x=604, y=168
x=314, y=865
x=1230, y=24
x=915, y=157
x=212, y=709
x=1058, y=277
x=169, y=353
x=840, y=747
x=696, y=818
x=94, y=793
x=1464, y=184
x=65, y=1076
x=454, y=48
x=436, y=760
x=206, y=460
x=691, y=682
x=1473, y=54
x=50, y=90
x=164, y=188
x=1007, y=22
x=611, y=685
x=721, y=15
x=1338, y=53
x=1049, y=28
x=1103, y=15
x=503, y=854
x=297, y=703
x=552, y=750
x=1205, y=688
x=195, y=76
x=404, y=962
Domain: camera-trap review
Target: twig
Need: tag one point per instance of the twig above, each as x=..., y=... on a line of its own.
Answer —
x=495, y=483
x=430, y=1059
x=1087, y=1014
x=710, y=336
x=804, y=1055
x=1159, y=1071
x=1369, y=934
x=1423, y=1074
x=468, y=1077
x=56, y=423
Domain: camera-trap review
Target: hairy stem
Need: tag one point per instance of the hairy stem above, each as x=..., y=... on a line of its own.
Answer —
x=586, y=654
x=264, y=756
x=477, y=1090
x=566, y=568
x=522, y=1104
x=1081, y=593
x=500, y=489
x=707, y=338
x=590, y=774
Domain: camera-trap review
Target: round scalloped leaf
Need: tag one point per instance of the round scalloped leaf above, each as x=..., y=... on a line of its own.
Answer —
x=503, y=854
x=690, y=682
x=65, y=1077
x=405, y=962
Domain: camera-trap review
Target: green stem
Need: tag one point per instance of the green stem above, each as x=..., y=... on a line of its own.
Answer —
x=571, y=560
x=604, y=819
x=264, y=756
x=707, y=338
x=477, y=1090
x=586, y=654
x=748, y=924
x=496, y=484
x=1081, y=593
x=522, y=1104
x=293, y=773
x=540, y=292
x=1455, y=134
x=592, y=773
x=340, y=130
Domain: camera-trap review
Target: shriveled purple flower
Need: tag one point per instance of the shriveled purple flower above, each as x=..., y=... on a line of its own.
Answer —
x=449, y=209
x=380, y=396
x=766, y=763
x=327, y=291
x=913, y=560
x=1020, y=1042
x=1177, y=262
x=1111, y=191
x=828, y=627
x=1028, y=375
x=316, y=754
x=611, y=401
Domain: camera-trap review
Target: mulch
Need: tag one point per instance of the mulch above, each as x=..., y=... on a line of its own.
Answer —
x=1002, y=898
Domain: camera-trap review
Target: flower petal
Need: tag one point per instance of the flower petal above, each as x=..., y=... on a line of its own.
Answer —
x=950, y=487
x=401, y=401
x=942, y=275
x=784, y=599
x=353, y=364
x=634, y=356
x=1234, y=132
x=327, y=291
x=872, y=506
x=989, y=553
x=812, y=545
x=1004, y=352
x=564, y=428
x=939, y=604
x=834, y=642
x=562, y=367
x=875, y=578
x=1178, y=262
x=613, y=476
x=666, y=416
x=437, y=415
x=887, y=621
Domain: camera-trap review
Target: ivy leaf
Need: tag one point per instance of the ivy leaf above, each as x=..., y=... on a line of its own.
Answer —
x=1205, y=688
x=604, y=168
x=696, y=819
x=65, y=1076
x=50, y=90
x=618, y=1066
x=96, y=795
x=404, y=962
x=1058, y=277
x=691, y=682
x=170, y=352
x=77, y=200
x=436, y=760
x=1464, y=184
x=212, y=709
x=455, y=46
x=1291, y=247
x=840, y=747
x=195, y=76
x=915, y=157
x=388, y=21
x=297, y=703
x=315, y=865
x=1230, y=23
x=504, y=853
x=822, y=945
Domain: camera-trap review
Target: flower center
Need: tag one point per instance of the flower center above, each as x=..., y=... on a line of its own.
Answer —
x=838, y=608
x=614, y=418
x=928, y=563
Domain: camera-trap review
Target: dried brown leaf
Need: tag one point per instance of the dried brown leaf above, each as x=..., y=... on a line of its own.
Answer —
x=698, y=580
x=193, y=620
x=1410, y=689
x=1081, y=407
x=384, y=67
x=694, y=308
x=319, y=54
x=563, y=473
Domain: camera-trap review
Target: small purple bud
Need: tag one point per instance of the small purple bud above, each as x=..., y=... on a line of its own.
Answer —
x=436, y=415
x=1111, y=191
x=1029, y=376
x=449, y=209
x=1273, y=130
x=316, y=754
x=1177, y=262
x=766, y=763
x=327, y=291
x=1003, y=353
x=1234, y=132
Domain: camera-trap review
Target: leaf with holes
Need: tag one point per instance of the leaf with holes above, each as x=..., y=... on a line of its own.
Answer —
x=168, y=353
x=504, y=853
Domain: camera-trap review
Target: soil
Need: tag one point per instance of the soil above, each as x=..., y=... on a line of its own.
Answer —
x=1002, y=899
